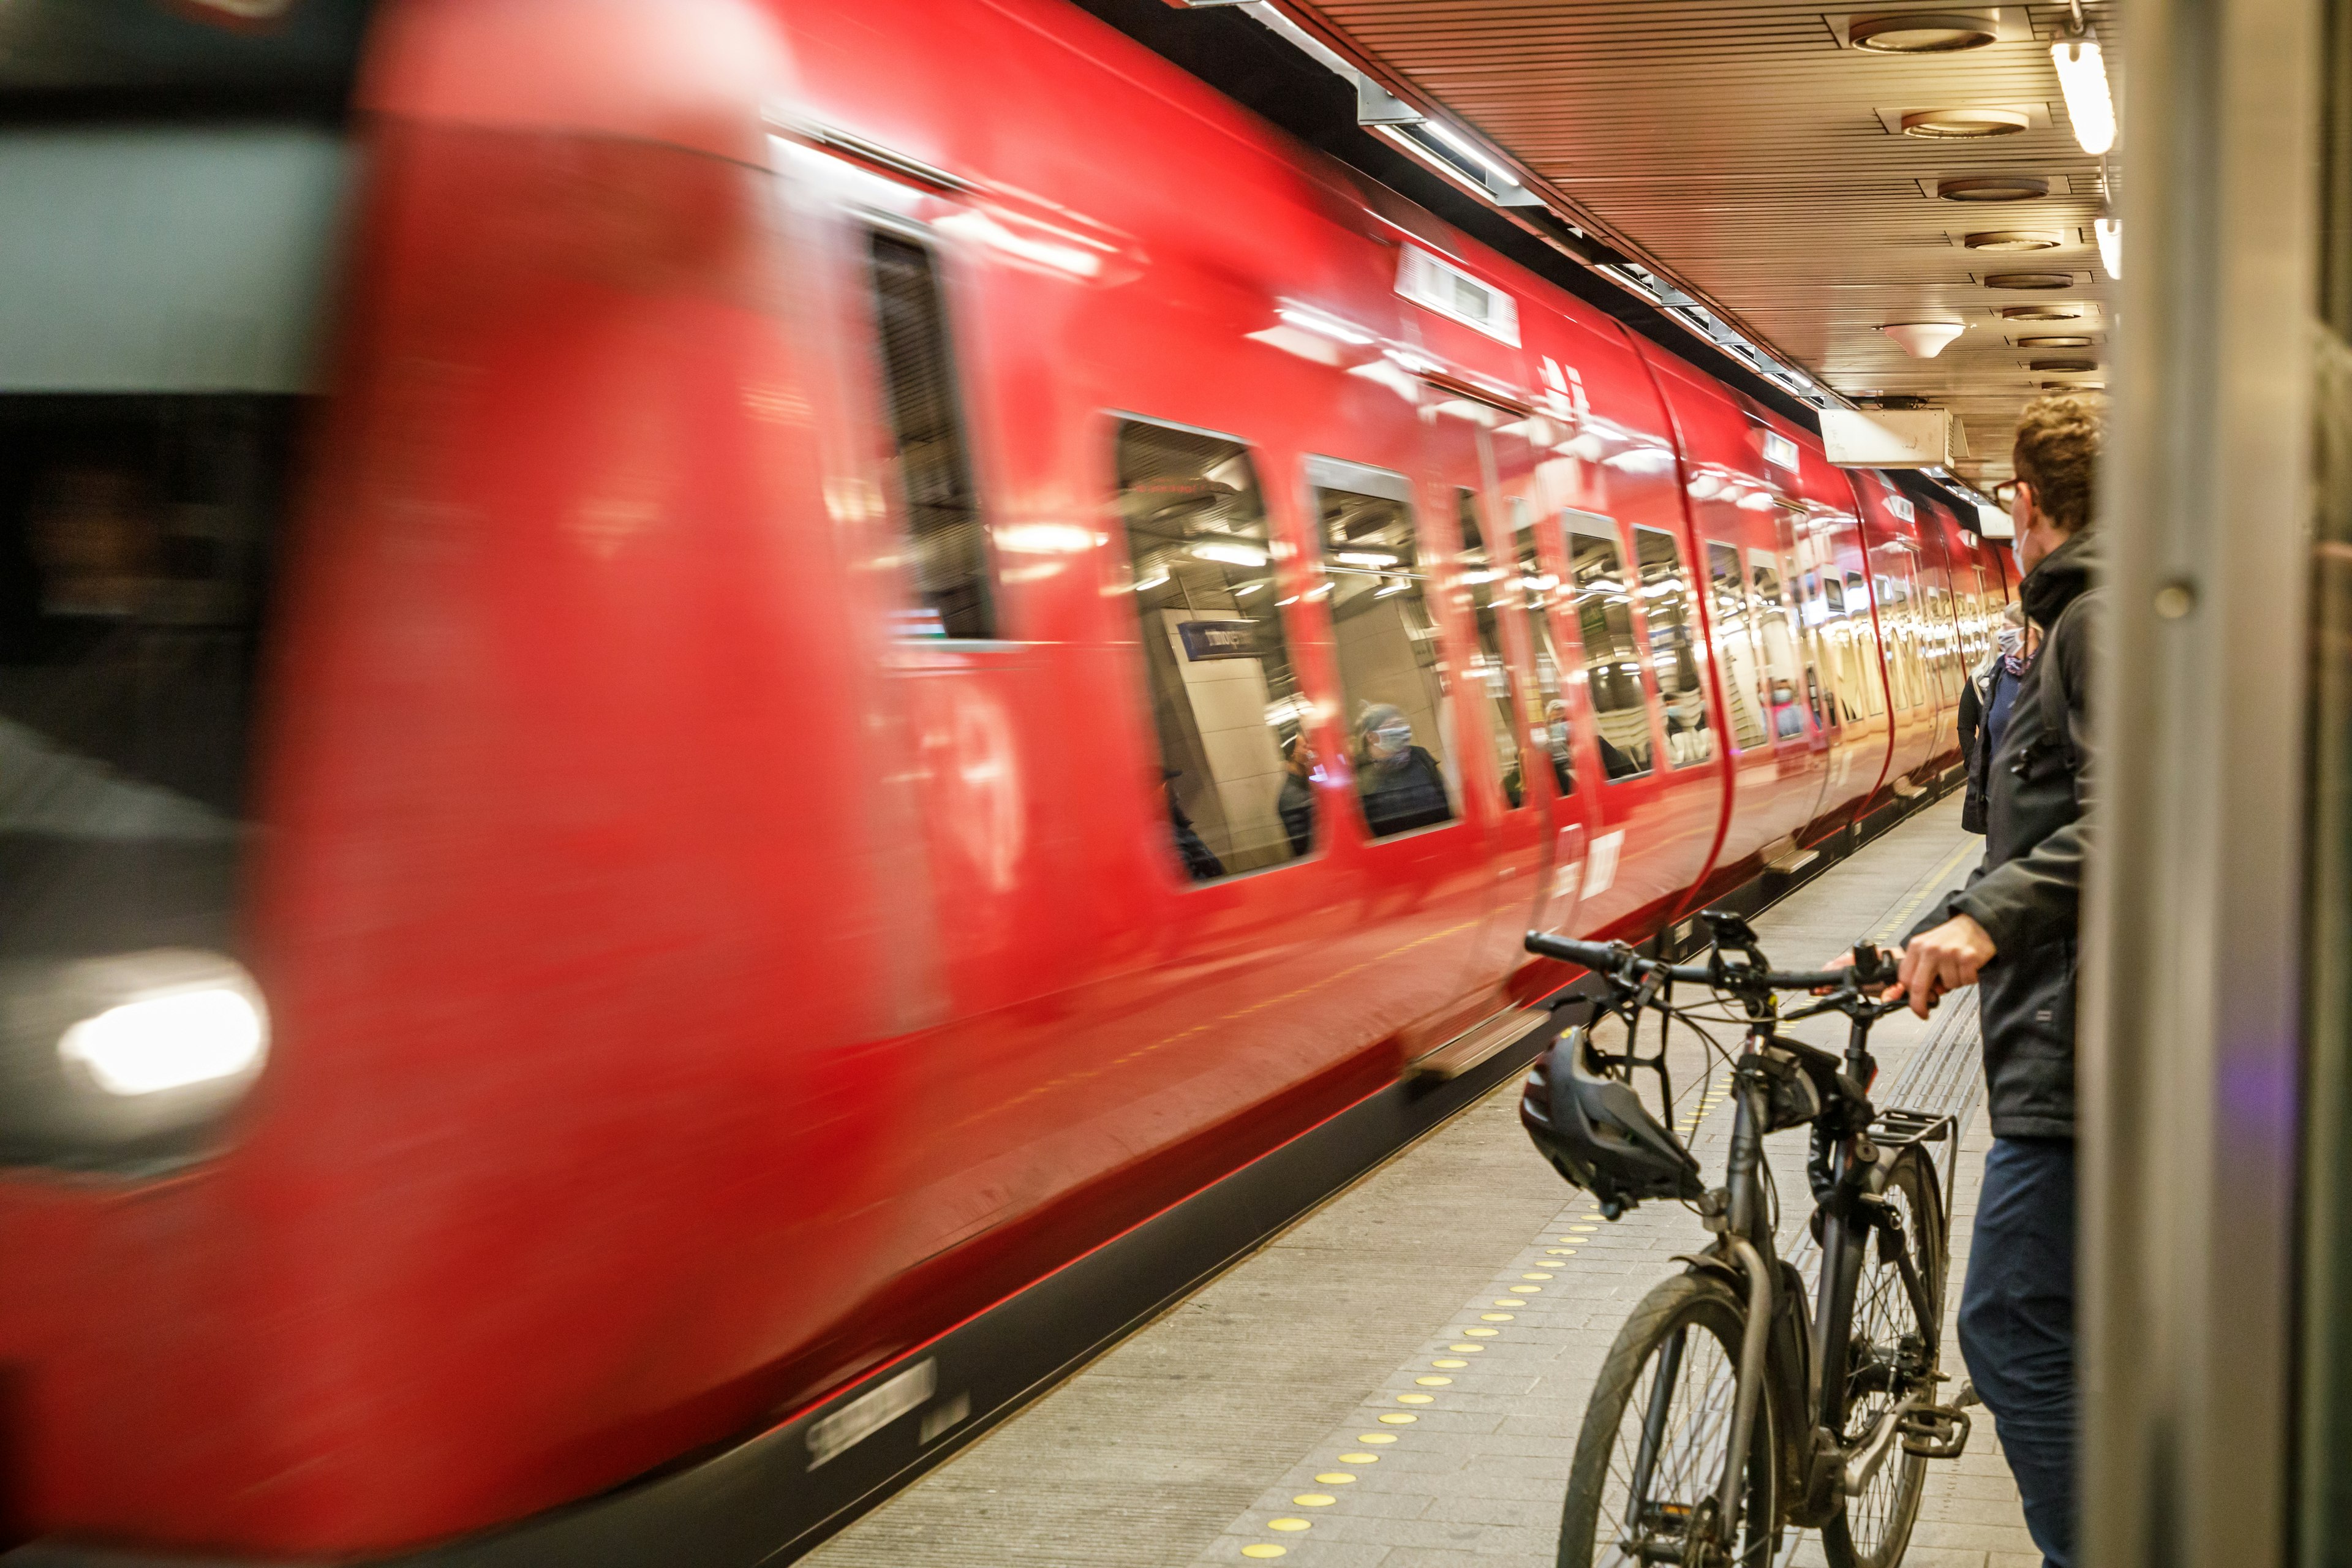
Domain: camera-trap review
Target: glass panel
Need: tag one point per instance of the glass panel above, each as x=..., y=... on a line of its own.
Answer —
x=1857, y=592
x=1612, y=658
x=1392, y=669
x=1673, y=647
x=1234, y=762
x=1490, y=672
x=1735, y=645
x=1541, y=591
x=949, y=555
x=1782, y=688
x=137, y=533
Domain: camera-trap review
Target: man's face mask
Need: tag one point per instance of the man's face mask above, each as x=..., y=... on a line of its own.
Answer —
x=1389, y=741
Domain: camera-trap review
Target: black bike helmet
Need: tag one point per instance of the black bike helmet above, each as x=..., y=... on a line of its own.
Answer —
x=1597, y=1132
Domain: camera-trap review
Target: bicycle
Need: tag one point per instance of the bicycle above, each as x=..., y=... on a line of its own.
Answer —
x=1725, y=1412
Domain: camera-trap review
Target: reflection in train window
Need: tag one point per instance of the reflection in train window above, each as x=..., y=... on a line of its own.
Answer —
x=1865, y=642
x=948, y=557
x=1673, y=647
x=1540, y=591
x=1612, y=658
x=1735, y=641
x=1234, y=761
x=1392, y=670
x=1490, y=672
x=136, y=536
x=1780, y=644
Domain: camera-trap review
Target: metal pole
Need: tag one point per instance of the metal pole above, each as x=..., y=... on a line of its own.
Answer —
x=2191, y=1031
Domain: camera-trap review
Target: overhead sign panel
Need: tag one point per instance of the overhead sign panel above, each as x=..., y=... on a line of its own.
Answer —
x=1891, y=437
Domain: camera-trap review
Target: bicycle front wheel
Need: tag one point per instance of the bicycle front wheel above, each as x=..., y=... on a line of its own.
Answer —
x=1657, y=1435
x=1891, y=1353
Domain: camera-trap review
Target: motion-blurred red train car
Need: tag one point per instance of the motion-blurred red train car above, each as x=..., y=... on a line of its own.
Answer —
x=723, y=722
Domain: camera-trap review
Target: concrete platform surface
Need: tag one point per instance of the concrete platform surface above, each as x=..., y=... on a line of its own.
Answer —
x=1313, y=1405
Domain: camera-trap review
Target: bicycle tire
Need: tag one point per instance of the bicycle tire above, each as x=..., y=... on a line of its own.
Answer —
x=1703, y=1310
x=1874, y=1529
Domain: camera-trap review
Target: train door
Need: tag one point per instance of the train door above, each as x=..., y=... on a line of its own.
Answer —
x=1515, y=793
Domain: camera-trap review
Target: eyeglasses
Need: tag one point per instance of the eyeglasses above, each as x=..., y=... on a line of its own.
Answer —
x=2005, y=492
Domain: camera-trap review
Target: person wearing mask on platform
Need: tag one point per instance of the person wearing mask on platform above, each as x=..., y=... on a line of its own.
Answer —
x=1295, y=805
x=1985, y=703
x=2011, y=930
x=1400, y=784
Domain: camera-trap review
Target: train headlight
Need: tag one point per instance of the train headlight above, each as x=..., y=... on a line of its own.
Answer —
x=168, y=1042
x=127, y=1062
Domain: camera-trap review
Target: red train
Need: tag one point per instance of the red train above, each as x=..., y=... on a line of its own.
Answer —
x=908, y=663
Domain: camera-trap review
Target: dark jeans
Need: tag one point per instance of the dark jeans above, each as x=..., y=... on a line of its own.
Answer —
x=2017, y=1327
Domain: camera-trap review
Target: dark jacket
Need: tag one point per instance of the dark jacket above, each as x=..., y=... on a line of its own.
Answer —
x=1409, y=794
x=2028, y=892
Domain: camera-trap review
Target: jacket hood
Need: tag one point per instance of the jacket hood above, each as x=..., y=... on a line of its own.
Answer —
x=2064, y=574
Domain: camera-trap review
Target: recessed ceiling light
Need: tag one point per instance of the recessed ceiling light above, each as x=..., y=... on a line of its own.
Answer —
x=2030, y=280
x=1993, y=188
x=2053, y=342
x=2074, y=387
x=1919, y=33
x=2042, y=312
x=2057, y=366
x=2011, y=239
x=1962, y=124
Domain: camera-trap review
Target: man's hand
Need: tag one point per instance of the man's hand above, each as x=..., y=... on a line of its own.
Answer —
x=1942, y=960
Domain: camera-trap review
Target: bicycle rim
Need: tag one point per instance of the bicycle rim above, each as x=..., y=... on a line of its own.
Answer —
x=1894, y=1351
x=1649, y=1460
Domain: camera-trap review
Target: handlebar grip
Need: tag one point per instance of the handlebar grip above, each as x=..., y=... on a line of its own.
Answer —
x=1599, y=955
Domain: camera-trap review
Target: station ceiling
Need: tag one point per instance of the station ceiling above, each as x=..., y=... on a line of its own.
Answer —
x=1756, y=153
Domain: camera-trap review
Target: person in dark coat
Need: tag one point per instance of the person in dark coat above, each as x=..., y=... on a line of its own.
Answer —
x=1985, y=703
x=2013, y=931
x=1200, y=862
x=1400, y=785
x=1295, y=805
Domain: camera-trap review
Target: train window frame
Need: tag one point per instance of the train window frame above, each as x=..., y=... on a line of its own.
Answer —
x=1284, y=570
x=1470, y=523
x=1575, y=522
x=1420, y=577
x=865, y=222
x=1694, y=641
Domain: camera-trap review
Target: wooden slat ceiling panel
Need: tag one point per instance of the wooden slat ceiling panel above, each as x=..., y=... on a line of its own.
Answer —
x=1741, y=143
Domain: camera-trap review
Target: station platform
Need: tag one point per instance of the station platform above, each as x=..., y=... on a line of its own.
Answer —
x=1398, y=1379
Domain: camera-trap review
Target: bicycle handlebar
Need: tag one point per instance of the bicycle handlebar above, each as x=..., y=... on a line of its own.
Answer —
x=1616, y=959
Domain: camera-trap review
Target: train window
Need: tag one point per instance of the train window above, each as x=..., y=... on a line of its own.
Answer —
x=1857, y=593
x=1538, y=590
x=1783, y=677
x=1673, y=647
x=1235, y=767
x=1735, y=641
x=1612, y=659
x=134, y=548
x=949, y=555
x=1392, y=669
x=1490, y=671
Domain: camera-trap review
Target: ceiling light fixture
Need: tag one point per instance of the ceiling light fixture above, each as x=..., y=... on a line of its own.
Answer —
x=2060, y=366
x=2109, y=233
x=1919, y=33
x=2042, y=312
x=1923, y=340
x=2011, y=239
x=2030, y=280
x=1470, y=150
x=2082, y=78
x=1963, y=124
x=1993, y=188
x=2054, y=342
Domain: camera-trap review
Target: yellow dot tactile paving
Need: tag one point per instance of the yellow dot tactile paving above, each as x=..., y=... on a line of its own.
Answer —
x=1480, y=1478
